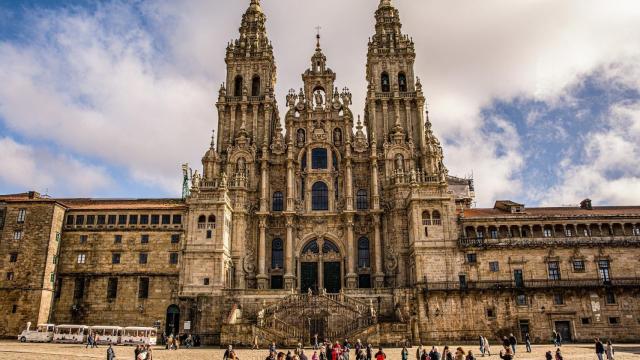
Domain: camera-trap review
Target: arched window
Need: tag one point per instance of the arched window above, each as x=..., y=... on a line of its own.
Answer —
x=426, y=218
x=319, y=158
x=238, y=83
x=363, y=253
x=277, y=258
x=362, y=201
x=311, y=247
x=255, y=86
x=328, y=246
x=202, y=219
x=402, y=82
x=319, y=196
x=437, y=220
x=277, y=203
x=384, y=81
x=211, y=222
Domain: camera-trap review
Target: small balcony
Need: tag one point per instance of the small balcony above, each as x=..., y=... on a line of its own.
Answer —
x=569, y=241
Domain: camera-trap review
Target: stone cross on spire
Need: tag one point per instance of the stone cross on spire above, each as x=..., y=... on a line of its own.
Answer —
x=318, y=28
x=213, y=139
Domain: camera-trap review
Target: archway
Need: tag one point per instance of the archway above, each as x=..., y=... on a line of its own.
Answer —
x=172, y=324
x=321, y=266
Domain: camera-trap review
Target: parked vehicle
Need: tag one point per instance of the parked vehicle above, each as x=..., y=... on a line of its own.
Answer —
x=107, y=334
x=73, y=334
x=42, y=333
x=134, y=335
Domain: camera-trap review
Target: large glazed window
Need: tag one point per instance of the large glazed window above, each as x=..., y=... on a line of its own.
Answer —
x=363, y=253
x=319, y=197
x=362, y=202
x=237, y=88
x=278, y=201
x=319, y=158
x=255, y=86
x=277, y=259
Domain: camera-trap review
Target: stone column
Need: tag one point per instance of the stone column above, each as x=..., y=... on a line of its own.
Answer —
x=264, y=183
x=263, y=279
x=290, y=185
x=352, y=255
x=289, y=277
x=375, y=196
x=349, y=181
x=377, y=248
x=385, y=119
x=232, y=128
x=407, y=109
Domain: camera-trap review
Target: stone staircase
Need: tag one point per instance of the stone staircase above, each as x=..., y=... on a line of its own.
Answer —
x=297, y=317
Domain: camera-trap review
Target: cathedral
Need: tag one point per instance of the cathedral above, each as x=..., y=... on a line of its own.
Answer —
x=322, y=222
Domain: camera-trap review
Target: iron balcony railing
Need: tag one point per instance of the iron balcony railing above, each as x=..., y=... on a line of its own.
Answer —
x=530, y=284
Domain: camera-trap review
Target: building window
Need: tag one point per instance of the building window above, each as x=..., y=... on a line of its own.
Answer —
x=610, y=297
x=494, y=266
x=58, y=288
x=319, y=158
x=115, y=258
x=143, y=288
x=319, y=196
x=578, y=265
x=117, y=239
x=166, y=219
x=205, y=281
x=112, y=288
x=177, y=219
x=91, y=219
x=636, y=231
x=70, y=219
x=122, y=219
x=52, y=277
x=173, y=258
x=521, y=300
x=13, y=257
x=211, y=222
x=144, y=219
x=277, y=254
x=384, y=82
x=78, y=289
x=255, y=86
x=554, y=270
x=22, y=213
x=491, y=313
x=402, y=82
x=144, y=239
x=10, y=276
x=558, y=299
x=83, y=239
x=101, y=219
x=55, y=259
x=472, y=258
x=568, y=232
x=111, y=220
x=614, y=320
x=14, y=309
x=278, y=201
x=81, y=258
x=364, y=260
x=436, y=219
x=585, y=321
x=175, y=238
x=155, y=219
x=480, y=234
x=133, y=219
x=17, y=235
x=426, y=218
x=603, y=270
x=80, y=220
x=547, y=233
x=142, y=258
x=493, y=233
x=209, y=234
x=237, y=86
x=362, y=200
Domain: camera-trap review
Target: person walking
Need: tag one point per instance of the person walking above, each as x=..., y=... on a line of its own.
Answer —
x=558, y=338
x=610, y=351
x=227, y=353
x=419, y=352
x=599, y=349
x=434, y=354
x=302, y=355
x=404, y=354
x=255, y=343
x=89, y=341
x=481, y=341
x=527, y=342
x=548, y=355
x=558, y=355
x=513, y=342
x=446, y=353
x=346, y=348
x=369, y=352
x=487, y=346
x=272, y=347
x=110, y=353
x=380, y=355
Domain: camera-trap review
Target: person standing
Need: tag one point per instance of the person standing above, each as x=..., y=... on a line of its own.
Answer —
x=255, y=343
x=419, y=352
x=434, y=354
x=459, y=354
x=527, y=342
x=507, y=355
x=505, y=342
x=380, y=355
x=513, y=342
x=323, y=353
x=481, y=343
x=487, y=346
x=405, y=353
x=446, y=353
x=558, y=340
x=110, y=353
x=548, y=355
x=599, y=349
x=89, y=340
x=369, y=352
x=610, y=352
x=315, y=341
x=470, y=356
x=558, y=355
x=227, y=353
x=346, y=348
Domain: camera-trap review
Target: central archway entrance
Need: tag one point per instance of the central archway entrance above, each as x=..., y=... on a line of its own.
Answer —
x=321, y=267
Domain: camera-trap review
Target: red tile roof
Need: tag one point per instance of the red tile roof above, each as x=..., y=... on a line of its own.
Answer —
x=555, y=212
x=103, y=204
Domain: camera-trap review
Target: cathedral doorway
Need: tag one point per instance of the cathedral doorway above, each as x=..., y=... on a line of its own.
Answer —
x=321, y=267
x=172, y=325
x=317, y=326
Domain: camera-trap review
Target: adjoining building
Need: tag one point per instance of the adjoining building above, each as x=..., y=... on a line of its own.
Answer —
x=311, y=225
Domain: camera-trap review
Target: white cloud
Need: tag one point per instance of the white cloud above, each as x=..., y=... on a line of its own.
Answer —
x=32, y=168
x=141, y=96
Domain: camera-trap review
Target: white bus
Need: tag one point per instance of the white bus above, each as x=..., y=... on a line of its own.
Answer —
x=134, y=335
x=106, y=334
x=74, y=334
x=42, y=333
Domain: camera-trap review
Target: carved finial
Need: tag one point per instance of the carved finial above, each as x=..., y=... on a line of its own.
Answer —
x=213, y=138
x=318, y=28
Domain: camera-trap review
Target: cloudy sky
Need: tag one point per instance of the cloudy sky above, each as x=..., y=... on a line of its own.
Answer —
x=539, y=100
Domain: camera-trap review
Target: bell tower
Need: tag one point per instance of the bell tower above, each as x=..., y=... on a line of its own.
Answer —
x=246, y=103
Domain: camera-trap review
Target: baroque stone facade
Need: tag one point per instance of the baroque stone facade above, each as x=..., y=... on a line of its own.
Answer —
x=322, y=222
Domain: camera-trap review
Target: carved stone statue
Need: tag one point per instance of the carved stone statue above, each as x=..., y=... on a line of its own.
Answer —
x=300, y=137
x=319, y=98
